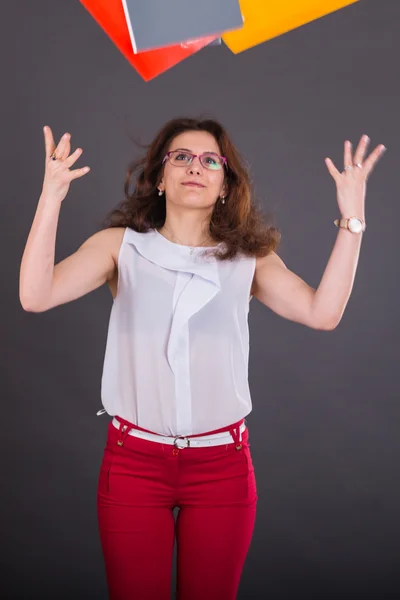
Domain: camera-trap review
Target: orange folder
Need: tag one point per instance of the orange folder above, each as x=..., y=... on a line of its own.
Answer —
x=266, y=19
x=110, y=15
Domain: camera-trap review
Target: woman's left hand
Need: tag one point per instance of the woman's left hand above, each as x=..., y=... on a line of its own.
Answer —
x=351, y=183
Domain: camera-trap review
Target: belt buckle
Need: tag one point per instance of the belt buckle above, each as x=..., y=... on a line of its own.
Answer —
x=181, y=437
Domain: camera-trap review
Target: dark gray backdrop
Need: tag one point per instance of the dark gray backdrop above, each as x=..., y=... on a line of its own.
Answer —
x=324, y=429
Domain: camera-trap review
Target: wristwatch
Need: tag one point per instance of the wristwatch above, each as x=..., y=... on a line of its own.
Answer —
x=353, y=224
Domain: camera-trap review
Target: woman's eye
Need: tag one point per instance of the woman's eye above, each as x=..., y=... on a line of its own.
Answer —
x=211, y=160
x=183, y=157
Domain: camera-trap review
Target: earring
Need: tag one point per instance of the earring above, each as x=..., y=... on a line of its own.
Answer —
x=223, y=199
x=160, y=192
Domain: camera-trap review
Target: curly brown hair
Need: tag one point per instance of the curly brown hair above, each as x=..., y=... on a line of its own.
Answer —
x=239, y=223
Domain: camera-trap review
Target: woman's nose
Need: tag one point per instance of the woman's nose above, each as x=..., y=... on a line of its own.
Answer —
x=195, y=166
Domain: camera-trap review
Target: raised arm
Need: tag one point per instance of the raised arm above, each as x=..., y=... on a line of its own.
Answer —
x=285, y=292
x=44, y=285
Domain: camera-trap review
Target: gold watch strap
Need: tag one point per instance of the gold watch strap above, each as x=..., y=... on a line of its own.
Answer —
x=343, y=223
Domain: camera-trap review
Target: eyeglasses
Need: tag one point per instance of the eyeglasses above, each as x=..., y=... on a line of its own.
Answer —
x=209, y=160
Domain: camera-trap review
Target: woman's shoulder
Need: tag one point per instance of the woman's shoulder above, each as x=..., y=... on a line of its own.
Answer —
x=269, y=260
x=112, y=238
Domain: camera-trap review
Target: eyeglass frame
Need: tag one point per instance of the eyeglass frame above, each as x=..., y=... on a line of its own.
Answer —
x=223, y=158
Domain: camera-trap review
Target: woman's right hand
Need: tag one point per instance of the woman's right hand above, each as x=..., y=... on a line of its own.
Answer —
x=57, y=176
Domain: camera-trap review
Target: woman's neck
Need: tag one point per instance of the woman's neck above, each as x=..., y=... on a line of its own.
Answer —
x=195, y=237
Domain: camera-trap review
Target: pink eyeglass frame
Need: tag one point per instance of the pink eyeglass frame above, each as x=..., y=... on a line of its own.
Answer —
x=223, y=158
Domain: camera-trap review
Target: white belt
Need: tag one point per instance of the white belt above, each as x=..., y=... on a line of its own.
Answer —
x=215, y=439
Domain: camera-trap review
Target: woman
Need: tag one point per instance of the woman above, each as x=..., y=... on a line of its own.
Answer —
x=183, y=255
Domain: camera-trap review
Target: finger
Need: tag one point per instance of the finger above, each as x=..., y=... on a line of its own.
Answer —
x=66, y=149
x=348, y=159
x=62, y=147
x=361, y=150
x=332, y=169
x=79, y=172
x=73, y=158
x=373, y=158
x=48, y=141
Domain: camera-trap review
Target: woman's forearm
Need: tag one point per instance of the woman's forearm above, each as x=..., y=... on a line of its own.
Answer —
x=37, y=265
x=333, y=292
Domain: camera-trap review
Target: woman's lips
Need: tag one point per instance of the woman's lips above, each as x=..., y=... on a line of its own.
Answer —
x=192, y=184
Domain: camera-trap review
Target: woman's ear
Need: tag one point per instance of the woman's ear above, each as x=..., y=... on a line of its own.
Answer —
x=160, y=185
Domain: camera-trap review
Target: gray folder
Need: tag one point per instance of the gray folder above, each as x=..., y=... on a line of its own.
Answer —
x=159, y=23
x=216, y=42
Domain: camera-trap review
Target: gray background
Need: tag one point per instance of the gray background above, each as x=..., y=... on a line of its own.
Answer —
x=324, y=428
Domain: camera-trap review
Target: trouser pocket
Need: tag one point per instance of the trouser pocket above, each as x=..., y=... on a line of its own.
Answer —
x=105, y=472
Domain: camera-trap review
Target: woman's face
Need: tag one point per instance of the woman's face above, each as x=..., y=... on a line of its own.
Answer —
x=193, y=185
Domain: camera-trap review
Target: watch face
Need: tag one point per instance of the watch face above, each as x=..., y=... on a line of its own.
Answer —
x=355, y=225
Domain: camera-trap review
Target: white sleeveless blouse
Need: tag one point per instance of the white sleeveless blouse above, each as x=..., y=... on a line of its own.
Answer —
x=176, y=357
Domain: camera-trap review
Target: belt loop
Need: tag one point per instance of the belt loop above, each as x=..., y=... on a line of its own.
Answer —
x=237, y=437
x=123, y=431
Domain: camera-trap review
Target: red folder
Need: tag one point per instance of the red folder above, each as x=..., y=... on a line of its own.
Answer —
x=110, y=15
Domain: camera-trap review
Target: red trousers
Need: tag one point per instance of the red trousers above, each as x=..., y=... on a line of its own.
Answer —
x=139, y=485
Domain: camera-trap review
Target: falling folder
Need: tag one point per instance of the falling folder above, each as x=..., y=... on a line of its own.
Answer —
x=110, y=15
x=160, y=23
x=266, y=19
